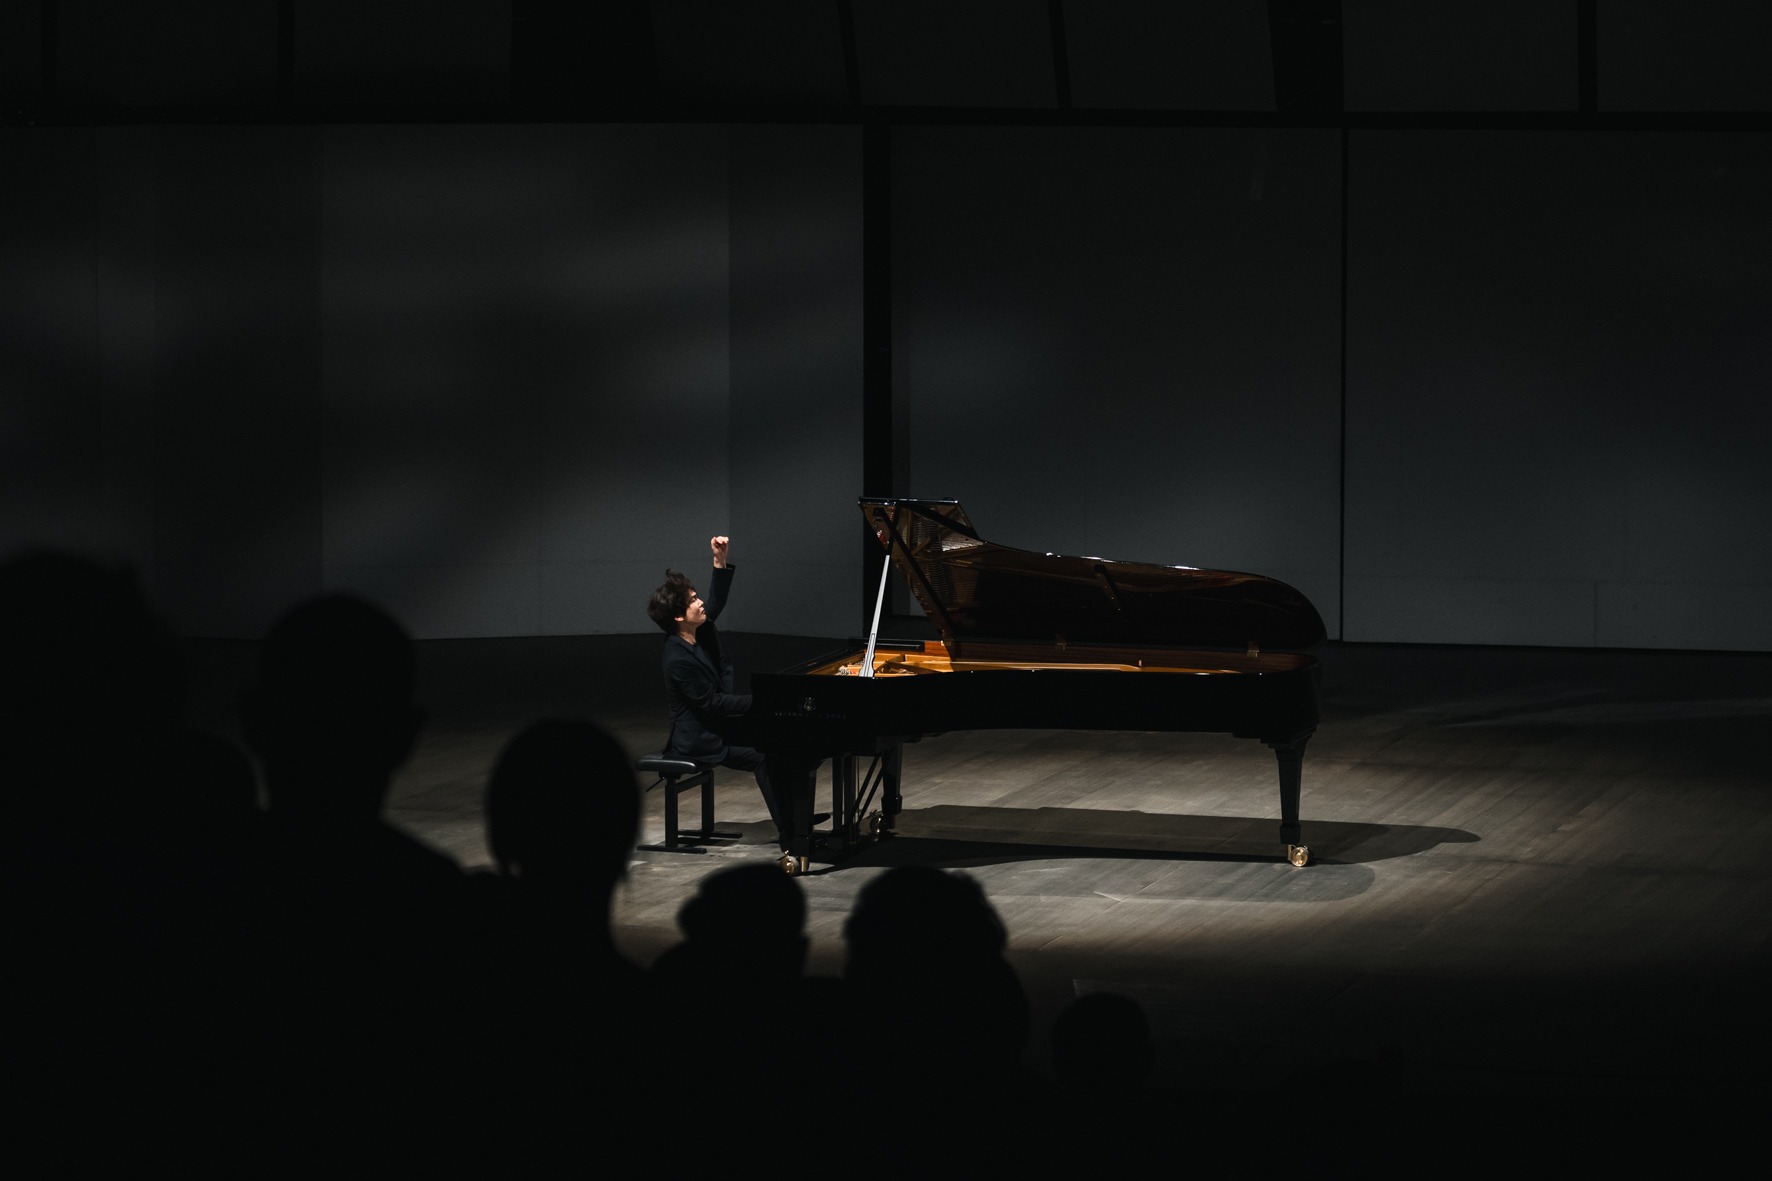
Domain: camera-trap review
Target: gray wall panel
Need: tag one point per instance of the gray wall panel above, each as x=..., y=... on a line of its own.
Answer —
x=1471, y=610
x=124, y=219
x=1557, y=364
x=526, y=368
x=51, y=412
x=1125, y=343
x=501, y=376
x=796, y=378
x=235, y=367
x=160, y=362
x=1675, y=614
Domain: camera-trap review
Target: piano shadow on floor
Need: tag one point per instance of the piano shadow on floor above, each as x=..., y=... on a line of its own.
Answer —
x=957, y=836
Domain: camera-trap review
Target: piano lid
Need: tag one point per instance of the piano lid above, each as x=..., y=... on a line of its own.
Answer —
x=974, y=589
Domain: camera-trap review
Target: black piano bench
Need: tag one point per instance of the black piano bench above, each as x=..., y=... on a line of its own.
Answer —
x=678, y=776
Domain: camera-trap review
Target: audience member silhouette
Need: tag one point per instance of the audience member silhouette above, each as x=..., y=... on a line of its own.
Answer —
x=916, y=924
x=925, y=962
x=562, y=815
x=366, y=932
x=125, y=879
x=736, y=982
x=740, y=967
x=89, y=683
x=1101, y=1048
x=1102, y=1055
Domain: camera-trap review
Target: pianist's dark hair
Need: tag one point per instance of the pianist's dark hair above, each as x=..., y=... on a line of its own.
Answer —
x=669, y=601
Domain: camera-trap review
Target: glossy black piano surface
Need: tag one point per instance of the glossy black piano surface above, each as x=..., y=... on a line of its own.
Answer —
x=1037, y=641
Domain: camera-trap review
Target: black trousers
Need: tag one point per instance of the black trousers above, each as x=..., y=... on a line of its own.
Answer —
x=745, y=758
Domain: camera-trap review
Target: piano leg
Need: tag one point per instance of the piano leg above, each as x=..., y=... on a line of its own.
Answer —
x=852, y=791
x=795, y=779
x=891, y=802
x=1289, y=752
x=844, y=822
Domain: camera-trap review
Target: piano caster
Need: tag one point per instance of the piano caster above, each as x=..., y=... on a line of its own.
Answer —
x=875, y=827
x=791, y=865
x=1298, y=854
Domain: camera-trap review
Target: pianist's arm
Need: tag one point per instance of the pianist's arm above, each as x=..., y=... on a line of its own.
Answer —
x=720, y=584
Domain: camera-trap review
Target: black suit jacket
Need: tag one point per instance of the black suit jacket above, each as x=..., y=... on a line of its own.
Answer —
x=698, y=682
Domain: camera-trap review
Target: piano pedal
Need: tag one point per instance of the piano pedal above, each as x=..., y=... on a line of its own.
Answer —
x=1298, y=854
x=791, y=865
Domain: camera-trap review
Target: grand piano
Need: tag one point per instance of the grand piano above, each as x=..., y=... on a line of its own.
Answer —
x=1032, y=641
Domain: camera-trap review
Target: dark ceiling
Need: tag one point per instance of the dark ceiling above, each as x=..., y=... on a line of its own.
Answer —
x=1311, y=61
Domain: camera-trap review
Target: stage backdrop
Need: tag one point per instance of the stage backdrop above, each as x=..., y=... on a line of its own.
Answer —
x=494, y=377
x=1125, y=343
x=1558, y=366
x=498, y=377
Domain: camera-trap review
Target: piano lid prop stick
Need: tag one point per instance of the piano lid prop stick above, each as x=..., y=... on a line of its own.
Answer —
x=867, y=662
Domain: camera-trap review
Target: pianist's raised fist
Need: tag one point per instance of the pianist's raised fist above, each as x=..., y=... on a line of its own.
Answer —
x=718, y=545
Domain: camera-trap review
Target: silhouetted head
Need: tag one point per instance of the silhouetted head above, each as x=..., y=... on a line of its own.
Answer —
x=88, y=676
x=1102, y=1042
x=563, y=804
x=929, y=942
x=670, y=601
x=755, y=911
x=918, y=913
x=332, y=714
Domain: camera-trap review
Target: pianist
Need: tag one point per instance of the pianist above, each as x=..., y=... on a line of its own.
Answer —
x=698, y=676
